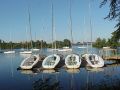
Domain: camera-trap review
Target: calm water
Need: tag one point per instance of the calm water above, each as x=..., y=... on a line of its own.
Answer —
x=106, y=78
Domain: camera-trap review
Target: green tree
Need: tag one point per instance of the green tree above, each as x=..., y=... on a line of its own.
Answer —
x=114, y=14
x=67, y=42
x=100, y=43
x=103, y=42
x=97, y=43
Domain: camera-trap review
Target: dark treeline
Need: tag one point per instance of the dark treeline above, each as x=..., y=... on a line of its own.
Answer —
x=99, y=43
x=36, y=44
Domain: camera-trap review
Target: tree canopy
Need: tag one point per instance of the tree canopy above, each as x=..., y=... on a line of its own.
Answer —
x=114, y=14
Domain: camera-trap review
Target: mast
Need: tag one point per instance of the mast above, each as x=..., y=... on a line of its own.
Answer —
x=41, y=46
x=53, y=29
x=35, y=41
x=27, y=37
x=29, y=19
x=70, y=23
x=11, y=42
x=90, y=24
x=54, y=36
x=52, y=24
x=84, y=32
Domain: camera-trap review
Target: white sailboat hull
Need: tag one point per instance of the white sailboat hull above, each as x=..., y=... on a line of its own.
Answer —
x=51, y=50
x=51, y=61
x=82, y=47
x=97, y=61
x=26, y=52
x=72, y=61
x=65, y=50
x=29, y=62
x=35, y=49
x=9, y=52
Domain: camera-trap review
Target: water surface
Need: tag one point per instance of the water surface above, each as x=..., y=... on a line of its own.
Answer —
x=84, y=78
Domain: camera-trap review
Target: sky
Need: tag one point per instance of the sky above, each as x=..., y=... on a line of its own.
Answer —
x=14, y=20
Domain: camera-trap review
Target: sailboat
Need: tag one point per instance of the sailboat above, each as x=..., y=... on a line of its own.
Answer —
x=72, y=60
x=31, y=61
x=65, y=49
x=83, y=43
x=93, y=60
x=35, y=49
x=26, y=51
x=10, y=51
x=51, y=61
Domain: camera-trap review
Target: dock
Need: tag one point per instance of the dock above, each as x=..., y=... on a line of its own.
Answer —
x=108, y=53
x=111, y=58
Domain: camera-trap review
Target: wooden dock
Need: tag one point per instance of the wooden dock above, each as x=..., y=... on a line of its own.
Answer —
x=108, y=53
x=111, y=58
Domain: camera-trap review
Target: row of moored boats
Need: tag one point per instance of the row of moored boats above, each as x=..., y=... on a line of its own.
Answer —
x=71, y=61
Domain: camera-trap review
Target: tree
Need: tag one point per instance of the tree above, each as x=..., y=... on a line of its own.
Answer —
x=103, y=42
x=114, y=14
x=100, y=43
x=97, y=43
x=67, y=42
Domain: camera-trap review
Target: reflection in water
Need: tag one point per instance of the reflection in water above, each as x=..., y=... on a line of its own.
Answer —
x=73, y=70
x=84, y=78
x=12, y=71
x=28, y=72
x=90, y=69
x=25, y=55
x=11, y=58
x=77, y=79
x=48, y=71
x=49, y=83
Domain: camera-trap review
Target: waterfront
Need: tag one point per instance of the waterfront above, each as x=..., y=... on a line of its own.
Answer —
x=61, y=78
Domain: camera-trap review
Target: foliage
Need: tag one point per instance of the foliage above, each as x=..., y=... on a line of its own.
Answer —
x=114, y=11
x=36, y=44
x=99, y=43
x=116, y=35
x=114, y=14
x=60, y=44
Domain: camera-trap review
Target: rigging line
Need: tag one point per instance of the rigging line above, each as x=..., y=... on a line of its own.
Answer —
x=35, y=41
x=70, y=23
x=55, y=37
x=29, y=18
x=11, y=42
x=52, y=23
x=90, y=24
x=54, y=31
x=85, y=39
x=27, y=37
x=41, y=46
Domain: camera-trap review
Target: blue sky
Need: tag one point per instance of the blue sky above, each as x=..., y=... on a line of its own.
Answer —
x=14, y=20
